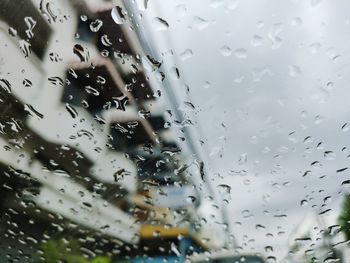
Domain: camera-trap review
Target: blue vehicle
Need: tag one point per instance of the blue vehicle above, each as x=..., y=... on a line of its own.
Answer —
x=161, y=244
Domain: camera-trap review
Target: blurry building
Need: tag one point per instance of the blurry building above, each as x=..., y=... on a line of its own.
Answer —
x=86, y=145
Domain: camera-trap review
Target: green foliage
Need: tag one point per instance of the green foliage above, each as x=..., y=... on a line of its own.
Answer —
x=66, y=251
x=344, y=218
x=101, y=259
x=310, y=259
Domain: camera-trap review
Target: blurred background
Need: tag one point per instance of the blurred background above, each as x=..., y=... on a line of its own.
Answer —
x=174, y=131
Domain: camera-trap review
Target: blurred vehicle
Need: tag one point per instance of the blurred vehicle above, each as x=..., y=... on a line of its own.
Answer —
x=164, y=244
x=225, y=257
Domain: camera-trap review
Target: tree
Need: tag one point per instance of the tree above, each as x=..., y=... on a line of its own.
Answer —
x=57, y=250
x=344, y=218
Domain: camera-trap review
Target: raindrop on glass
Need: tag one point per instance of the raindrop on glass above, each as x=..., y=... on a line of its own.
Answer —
x=117, y=15
x=160, y=24
x=225, y=51
x=241, y=53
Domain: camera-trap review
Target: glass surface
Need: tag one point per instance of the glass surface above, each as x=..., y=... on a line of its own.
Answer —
x=237, y=260
x=174, y=131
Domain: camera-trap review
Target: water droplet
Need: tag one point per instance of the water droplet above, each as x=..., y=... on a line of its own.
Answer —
x=175, y=250
x=189, y=104
x=105, y=40
x=56, y=81
x=191, y=199
x=160, y=76
x=73, y=112
x=5, y=85
x=81, y=52
x=318, y=119
x=100, y=80
x=303, y=240
x=273, y=35
x=248, y=182
x=54, y=57
x=241, y=53
x=342, y=170
x=268, y=249
x=225, y=51
x=331, y=259
x=308, y=139
x=316, y=164
x=45, y=9
x=320, y=146
x=329, y=155
x=174, y=72
x=306, y=173
x=297, y=21
x=327, y=199
x=259, y=226
x=256, y=41
x=346, y=183
x=156, y=233
x=334, y=229
x=304, y=202
x=30, y=23
x=294, y=71
x=224, y=187
x=345, y=127
x=333, y=54
x=160, y=24
x=243, y=158
x=27, y=83
x=315, y=47
x=329, y=85
x=325, y=211
x=200, y=23
x=151, y=64
x=91, y=90
x=142, y=4
x=32, y=112
x=12, y=31
x=144, y=114
x=25, y=47
x=96, y=25
x=260, y=24
x=117, y=15
x=85, y=104
x=104, y=53
x=207, y=85
x=186, y=54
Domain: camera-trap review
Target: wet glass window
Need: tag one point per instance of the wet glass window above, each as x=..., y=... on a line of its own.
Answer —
x=174, y=131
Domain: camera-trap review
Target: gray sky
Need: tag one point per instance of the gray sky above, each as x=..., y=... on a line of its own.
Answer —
x=263, y=76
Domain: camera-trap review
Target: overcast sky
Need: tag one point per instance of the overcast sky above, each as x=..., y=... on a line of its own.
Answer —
x=269, y=81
